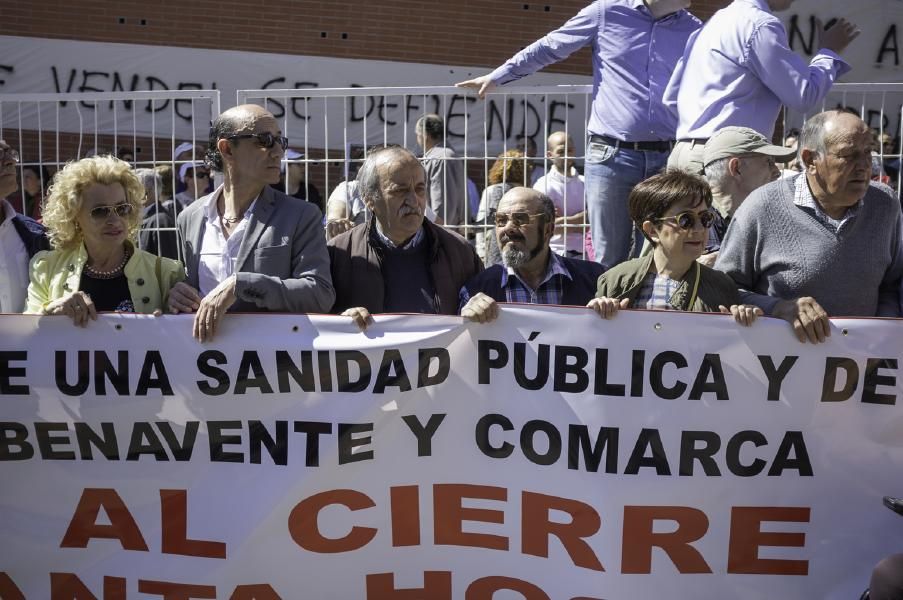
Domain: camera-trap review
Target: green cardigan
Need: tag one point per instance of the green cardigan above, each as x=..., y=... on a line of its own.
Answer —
x=715, y=288
x=57, y=273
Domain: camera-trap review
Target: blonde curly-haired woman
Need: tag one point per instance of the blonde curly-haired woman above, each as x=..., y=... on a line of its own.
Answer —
x=92, y=215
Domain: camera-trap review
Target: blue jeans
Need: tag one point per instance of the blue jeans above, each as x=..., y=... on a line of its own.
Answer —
x=610, y=173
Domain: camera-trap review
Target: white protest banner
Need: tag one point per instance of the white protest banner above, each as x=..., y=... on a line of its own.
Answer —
x=548, y=455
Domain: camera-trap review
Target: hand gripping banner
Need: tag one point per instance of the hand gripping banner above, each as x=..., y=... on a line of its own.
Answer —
x=548, y=455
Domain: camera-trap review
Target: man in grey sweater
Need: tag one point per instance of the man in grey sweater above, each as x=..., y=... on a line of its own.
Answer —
x=824, y=243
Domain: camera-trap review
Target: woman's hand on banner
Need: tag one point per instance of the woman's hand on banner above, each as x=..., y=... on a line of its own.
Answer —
x=745, y=314
x=607, y=308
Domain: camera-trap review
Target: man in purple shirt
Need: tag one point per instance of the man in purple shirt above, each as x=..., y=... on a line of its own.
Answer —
x=738, y=71
x=636, y=45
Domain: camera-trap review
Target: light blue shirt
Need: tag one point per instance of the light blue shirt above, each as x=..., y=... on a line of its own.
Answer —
x=633, y=58
x=739, y=70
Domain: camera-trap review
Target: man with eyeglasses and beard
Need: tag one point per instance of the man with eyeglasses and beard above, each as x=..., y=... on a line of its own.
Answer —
x=397, y=261
x=531, y=273
x=247, y=246
x=20, y=238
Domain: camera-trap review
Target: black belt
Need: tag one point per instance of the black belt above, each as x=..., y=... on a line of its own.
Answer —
x=695, y=141
x=640, y=146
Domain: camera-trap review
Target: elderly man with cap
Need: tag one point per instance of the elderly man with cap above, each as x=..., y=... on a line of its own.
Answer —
x=195, y=176
x=398, y=261
x=532, y=273
x=824, y=243
x=737, y=161
x=248, y=247
x=20, y=238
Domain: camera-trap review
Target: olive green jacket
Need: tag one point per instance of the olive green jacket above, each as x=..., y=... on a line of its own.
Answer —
x=715, y=288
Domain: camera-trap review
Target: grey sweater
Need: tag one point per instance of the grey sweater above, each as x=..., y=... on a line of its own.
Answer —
x=775, y=250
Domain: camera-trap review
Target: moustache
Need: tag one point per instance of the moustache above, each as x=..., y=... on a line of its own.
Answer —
x=512, y=238
x=406, y=210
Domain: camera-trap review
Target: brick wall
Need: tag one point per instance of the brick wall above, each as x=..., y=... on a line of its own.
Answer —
x=463, y=32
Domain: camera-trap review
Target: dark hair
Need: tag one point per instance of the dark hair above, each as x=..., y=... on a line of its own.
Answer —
x=223, y=126
x=651, y=199
x=41, y=172
x=431, y=126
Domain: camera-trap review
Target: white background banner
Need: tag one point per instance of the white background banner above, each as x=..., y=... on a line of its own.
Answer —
x=550, y=454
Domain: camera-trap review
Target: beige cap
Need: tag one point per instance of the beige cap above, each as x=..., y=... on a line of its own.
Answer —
x=734, y=141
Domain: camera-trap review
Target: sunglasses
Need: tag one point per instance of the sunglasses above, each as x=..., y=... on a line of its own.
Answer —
x=102, y=213
x=9, y=153
x=518, y=219
x=266, y=140
x=687, y=220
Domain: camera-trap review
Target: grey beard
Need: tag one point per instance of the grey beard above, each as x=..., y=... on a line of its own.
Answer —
x=514, y=258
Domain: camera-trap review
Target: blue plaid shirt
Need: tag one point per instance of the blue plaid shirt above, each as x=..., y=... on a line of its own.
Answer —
x=655, y=292
x=548, y=292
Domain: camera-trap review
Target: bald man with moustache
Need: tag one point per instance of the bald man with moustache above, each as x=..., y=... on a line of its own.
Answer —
x=249, y=247
x=398, y=261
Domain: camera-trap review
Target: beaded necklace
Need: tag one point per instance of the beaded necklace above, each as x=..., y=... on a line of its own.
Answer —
x=112, y=273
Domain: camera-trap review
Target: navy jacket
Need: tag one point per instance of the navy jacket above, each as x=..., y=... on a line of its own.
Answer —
x=577, y=291
x=33, y=234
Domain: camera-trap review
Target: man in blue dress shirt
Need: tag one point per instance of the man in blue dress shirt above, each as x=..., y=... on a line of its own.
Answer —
x=738, y=70
x=636, y=45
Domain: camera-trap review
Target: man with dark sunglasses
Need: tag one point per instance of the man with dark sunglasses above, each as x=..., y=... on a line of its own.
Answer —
x=20, y=238
x=532, y=273
x=247, y=246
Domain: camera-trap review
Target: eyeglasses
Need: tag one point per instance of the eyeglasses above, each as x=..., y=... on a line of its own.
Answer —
x=518, y=219
x=9, y=154
x=102, y=213
x=266, y=139
x=687, y=220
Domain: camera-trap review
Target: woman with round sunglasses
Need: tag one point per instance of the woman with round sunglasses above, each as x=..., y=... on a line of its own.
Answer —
x=674, y=211
x=92, y=215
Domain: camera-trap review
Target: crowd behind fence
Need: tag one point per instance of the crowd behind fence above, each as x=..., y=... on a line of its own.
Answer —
x=332, y=131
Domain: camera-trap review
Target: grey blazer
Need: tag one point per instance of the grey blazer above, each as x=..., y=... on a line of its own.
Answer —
x=282, y=263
